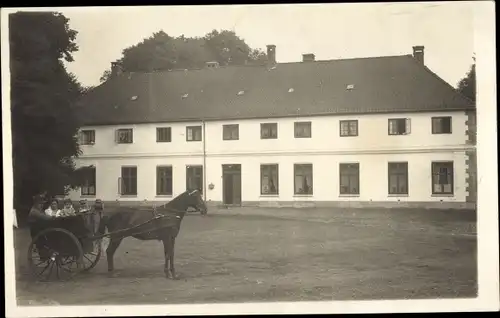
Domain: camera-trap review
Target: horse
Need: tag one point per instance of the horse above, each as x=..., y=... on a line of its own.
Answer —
x=136, y=222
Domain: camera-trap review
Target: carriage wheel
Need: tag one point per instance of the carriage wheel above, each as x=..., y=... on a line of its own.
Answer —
x=55, y=253
x=92, y=258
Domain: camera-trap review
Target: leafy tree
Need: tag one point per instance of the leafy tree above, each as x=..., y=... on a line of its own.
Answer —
x=163, y=52
x=44, y=126
x=467, y=85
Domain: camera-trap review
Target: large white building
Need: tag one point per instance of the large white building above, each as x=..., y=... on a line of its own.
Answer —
x=381, y=131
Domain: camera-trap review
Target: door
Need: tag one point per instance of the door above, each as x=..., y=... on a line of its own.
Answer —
x=231, y=184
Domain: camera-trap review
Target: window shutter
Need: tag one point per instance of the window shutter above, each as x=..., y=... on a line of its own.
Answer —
x=80, y=138
x=117, y=136
x=408, y=126
x=120, y=185
x=391, y=127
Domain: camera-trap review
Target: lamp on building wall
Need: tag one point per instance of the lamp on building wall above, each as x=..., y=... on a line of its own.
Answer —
x=211, y=186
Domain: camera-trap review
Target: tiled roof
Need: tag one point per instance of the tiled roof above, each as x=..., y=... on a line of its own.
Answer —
x=365, y=85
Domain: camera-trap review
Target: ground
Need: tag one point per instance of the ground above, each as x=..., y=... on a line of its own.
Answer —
x=249, y=254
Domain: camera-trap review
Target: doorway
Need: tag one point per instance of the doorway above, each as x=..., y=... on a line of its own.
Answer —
x=231, y=184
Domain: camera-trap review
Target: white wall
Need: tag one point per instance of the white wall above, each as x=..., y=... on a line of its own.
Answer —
x=144, y=141
x=372, y=148
x=373, y=134
x=373, y=176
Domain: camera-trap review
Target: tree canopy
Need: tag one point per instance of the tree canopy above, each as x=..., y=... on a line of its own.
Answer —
x=163, y=52
x=467, y=85
x=44, y=127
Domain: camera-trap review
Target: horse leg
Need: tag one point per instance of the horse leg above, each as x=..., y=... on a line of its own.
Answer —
x=171, y=257
x=110, y=251
x=166, y=252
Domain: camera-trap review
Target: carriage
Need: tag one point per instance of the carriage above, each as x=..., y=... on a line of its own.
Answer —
x=63, y=247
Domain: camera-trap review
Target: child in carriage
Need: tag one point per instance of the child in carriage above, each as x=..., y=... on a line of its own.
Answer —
x=68, y=209
x=84, y=207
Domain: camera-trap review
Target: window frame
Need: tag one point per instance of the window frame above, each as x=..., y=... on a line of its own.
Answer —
x=159, y=177
x=268, y=168
x=188, y=177
x=93, y=179
x=131, y=177
x=90, y=141
x=307, y=124
x=398, y=174
x=407, y=125
x=229, y=127
x=434, y=132
x=348, y=122
x=356, y=175
x=450, y=175
x=194, y=129
x=167, y=132
x=130, y=140
x=270, y=126
x=297, y=166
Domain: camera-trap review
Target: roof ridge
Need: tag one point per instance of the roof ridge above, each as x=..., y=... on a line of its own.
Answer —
x=128, y=73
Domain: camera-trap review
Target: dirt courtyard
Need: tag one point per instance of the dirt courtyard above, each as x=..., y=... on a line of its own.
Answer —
x=247, y=255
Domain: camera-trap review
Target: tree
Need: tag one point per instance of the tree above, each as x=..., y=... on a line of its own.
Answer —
x=44, y=125
x=467, y=85
x=163, y=52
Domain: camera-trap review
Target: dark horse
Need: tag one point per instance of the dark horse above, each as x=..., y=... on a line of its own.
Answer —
x=162, y=224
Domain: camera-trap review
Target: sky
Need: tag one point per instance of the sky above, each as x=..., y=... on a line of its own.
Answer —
x=330, y=31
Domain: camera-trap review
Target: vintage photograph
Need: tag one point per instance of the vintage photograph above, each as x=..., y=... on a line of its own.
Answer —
x=259, y=154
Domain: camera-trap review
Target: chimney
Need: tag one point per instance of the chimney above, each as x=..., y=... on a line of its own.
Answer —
x=308, y=57
x=271, y=53
x=418, y=53
x=116, y=69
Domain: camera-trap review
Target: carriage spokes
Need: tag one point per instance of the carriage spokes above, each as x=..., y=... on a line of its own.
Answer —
x=55, y=253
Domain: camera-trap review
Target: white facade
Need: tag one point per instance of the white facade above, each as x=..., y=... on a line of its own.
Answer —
x=373, y=148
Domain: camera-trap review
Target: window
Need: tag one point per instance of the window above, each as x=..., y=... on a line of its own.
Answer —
x=303, y=129
x=164, y=180
x=87, y=137
x=194, y=178
x=348, y=128
x=442, y=177
x=303, y=181
x=398, y=177
x=89, y=181
x=124, y=136
x=163, y=134
x=230, y=132
x=441, y=125
x=269, y=179
x=269, y=131
x=349, y=178
x=399, y=126
x=129, y=181
x=193, y=133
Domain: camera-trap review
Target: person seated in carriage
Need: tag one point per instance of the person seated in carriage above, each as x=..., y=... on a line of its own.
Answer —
x=36, y=211
x=68, y=209
x=53, y=210
x=84, y=206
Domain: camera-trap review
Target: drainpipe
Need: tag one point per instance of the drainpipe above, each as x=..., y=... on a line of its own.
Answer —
x=204, y=164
